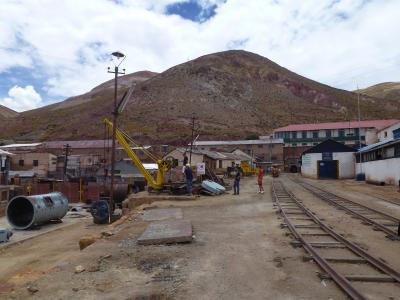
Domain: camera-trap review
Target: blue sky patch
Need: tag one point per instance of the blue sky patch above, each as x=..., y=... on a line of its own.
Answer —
x=22, y=77
x=191, y=10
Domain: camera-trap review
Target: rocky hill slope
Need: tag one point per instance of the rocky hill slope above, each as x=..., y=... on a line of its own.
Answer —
x=233, y=94
x=6, y=113
x=385, y=90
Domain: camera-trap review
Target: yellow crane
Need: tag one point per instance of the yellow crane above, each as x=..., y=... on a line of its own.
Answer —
x=163, y=165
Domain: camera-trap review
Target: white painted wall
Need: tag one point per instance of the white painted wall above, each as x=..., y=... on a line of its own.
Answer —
x=386, y=170
x=388, y=131
x=309, y=167
x=346, y=164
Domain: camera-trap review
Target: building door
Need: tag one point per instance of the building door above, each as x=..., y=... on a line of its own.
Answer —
x=328, y=169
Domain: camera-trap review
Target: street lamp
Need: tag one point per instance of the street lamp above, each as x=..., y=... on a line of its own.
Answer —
x=117, y=58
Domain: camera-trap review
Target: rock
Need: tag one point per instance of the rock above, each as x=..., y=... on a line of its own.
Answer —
x=75, y=289
x=93, y=268
x=79, y=269
x=106, y=233
x=104, y=257
x=87, y=241
x=32, y=289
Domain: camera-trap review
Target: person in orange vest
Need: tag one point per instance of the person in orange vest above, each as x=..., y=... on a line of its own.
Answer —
x=260, y=177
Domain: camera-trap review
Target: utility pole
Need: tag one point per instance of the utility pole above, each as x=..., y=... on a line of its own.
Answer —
x=67, y=152
x=119, y=58
x=191, y=141
x=359, y=127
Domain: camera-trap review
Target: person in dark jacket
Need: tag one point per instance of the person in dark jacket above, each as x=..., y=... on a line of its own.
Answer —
x=236, y=183
x=189, y=179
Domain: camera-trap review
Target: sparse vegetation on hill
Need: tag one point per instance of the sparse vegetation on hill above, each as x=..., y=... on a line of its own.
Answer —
x=234, y=94
x=385, y=90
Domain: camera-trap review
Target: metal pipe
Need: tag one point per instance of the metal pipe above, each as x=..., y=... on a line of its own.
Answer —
x=24, y=212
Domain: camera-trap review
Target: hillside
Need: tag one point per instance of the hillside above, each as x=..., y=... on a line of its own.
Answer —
x=233, y=94
x=385, y=90
x=6, y=113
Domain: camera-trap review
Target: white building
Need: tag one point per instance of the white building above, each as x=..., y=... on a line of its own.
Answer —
x=380, y=162
x=328, y=160
x=389, y=133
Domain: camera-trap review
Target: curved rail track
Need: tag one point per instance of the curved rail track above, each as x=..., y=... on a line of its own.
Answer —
x=379, y=220
x=318, y=240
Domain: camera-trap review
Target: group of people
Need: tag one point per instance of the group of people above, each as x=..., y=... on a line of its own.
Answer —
x=238, y=175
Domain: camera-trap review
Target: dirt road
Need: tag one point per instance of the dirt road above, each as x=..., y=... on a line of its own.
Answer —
x=239, y=252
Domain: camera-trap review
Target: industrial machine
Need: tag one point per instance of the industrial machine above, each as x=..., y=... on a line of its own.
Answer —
x=275, y=171
x=163, y=165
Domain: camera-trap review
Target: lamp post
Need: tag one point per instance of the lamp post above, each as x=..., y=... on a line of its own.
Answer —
x=117, y=58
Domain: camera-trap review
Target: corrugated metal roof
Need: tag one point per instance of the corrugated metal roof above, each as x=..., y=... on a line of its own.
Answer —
x=83, y=144
x=339, y=125
x=213, y=154
x=241, y=142
x=3, y=152
x=21, y=173
x=20, y=145
x=378, y=145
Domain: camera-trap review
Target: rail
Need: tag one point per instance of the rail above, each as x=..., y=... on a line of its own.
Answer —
x=295, y=214
x=378, y=219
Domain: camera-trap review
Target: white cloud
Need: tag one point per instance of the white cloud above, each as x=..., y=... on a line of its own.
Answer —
x=335, y=42
x=20, y=99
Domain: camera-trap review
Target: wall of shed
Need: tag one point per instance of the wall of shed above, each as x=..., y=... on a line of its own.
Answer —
x=346, y=160
x=385, y=170
x=309, y=165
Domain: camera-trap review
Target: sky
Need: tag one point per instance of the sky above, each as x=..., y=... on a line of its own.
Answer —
x=51, y=50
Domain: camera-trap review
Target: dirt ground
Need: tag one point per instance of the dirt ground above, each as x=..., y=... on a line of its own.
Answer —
x=239, y=252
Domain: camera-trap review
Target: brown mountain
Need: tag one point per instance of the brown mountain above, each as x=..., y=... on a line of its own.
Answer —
x=385, y=90
x=6, y=113
x=233, y=94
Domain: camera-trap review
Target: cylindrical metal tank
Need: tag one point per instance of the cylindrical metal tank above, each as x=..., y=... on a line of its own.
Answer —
x=24, y=212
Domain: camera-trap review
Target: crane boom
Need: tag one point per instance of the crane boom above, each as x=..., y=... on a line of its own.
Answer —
x=163, y=166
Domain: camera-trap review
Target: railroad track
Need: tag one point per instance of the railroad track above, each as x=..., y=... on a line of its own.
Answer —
x=365, y=276
x=369, y=216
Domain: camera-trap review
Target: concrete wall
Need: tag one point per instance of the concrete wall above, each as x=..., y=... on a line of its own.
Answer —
x=346, y=160
x=386, y=170
x=387, y=133
x=309, y=165
x=346, y=164
x=46, y=163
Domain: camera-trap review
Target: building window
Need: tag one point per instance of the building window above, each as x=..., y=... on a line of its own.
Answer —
x=294, y=145
x=304, y=144
x=396, y=133
x=220, y=164
x=315, y=134
x=260, y=146
x=35, y=163
x=315, y=144
x=357, y=131
x=294, y=134
x=21, y=162
x=304, y=134
x=385, y=134
x=328, y=133
x=341, y=132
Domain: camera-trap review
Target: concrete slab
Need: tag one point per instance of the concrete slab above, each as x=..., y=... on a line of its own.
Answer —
x=160, y=214
x=167, y=232
x=135, y=200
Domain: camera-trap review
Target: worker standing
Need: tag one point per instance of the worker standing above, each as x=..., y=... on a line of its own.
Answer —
x=236, y=183
x=189, y=179
x=260, y=177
